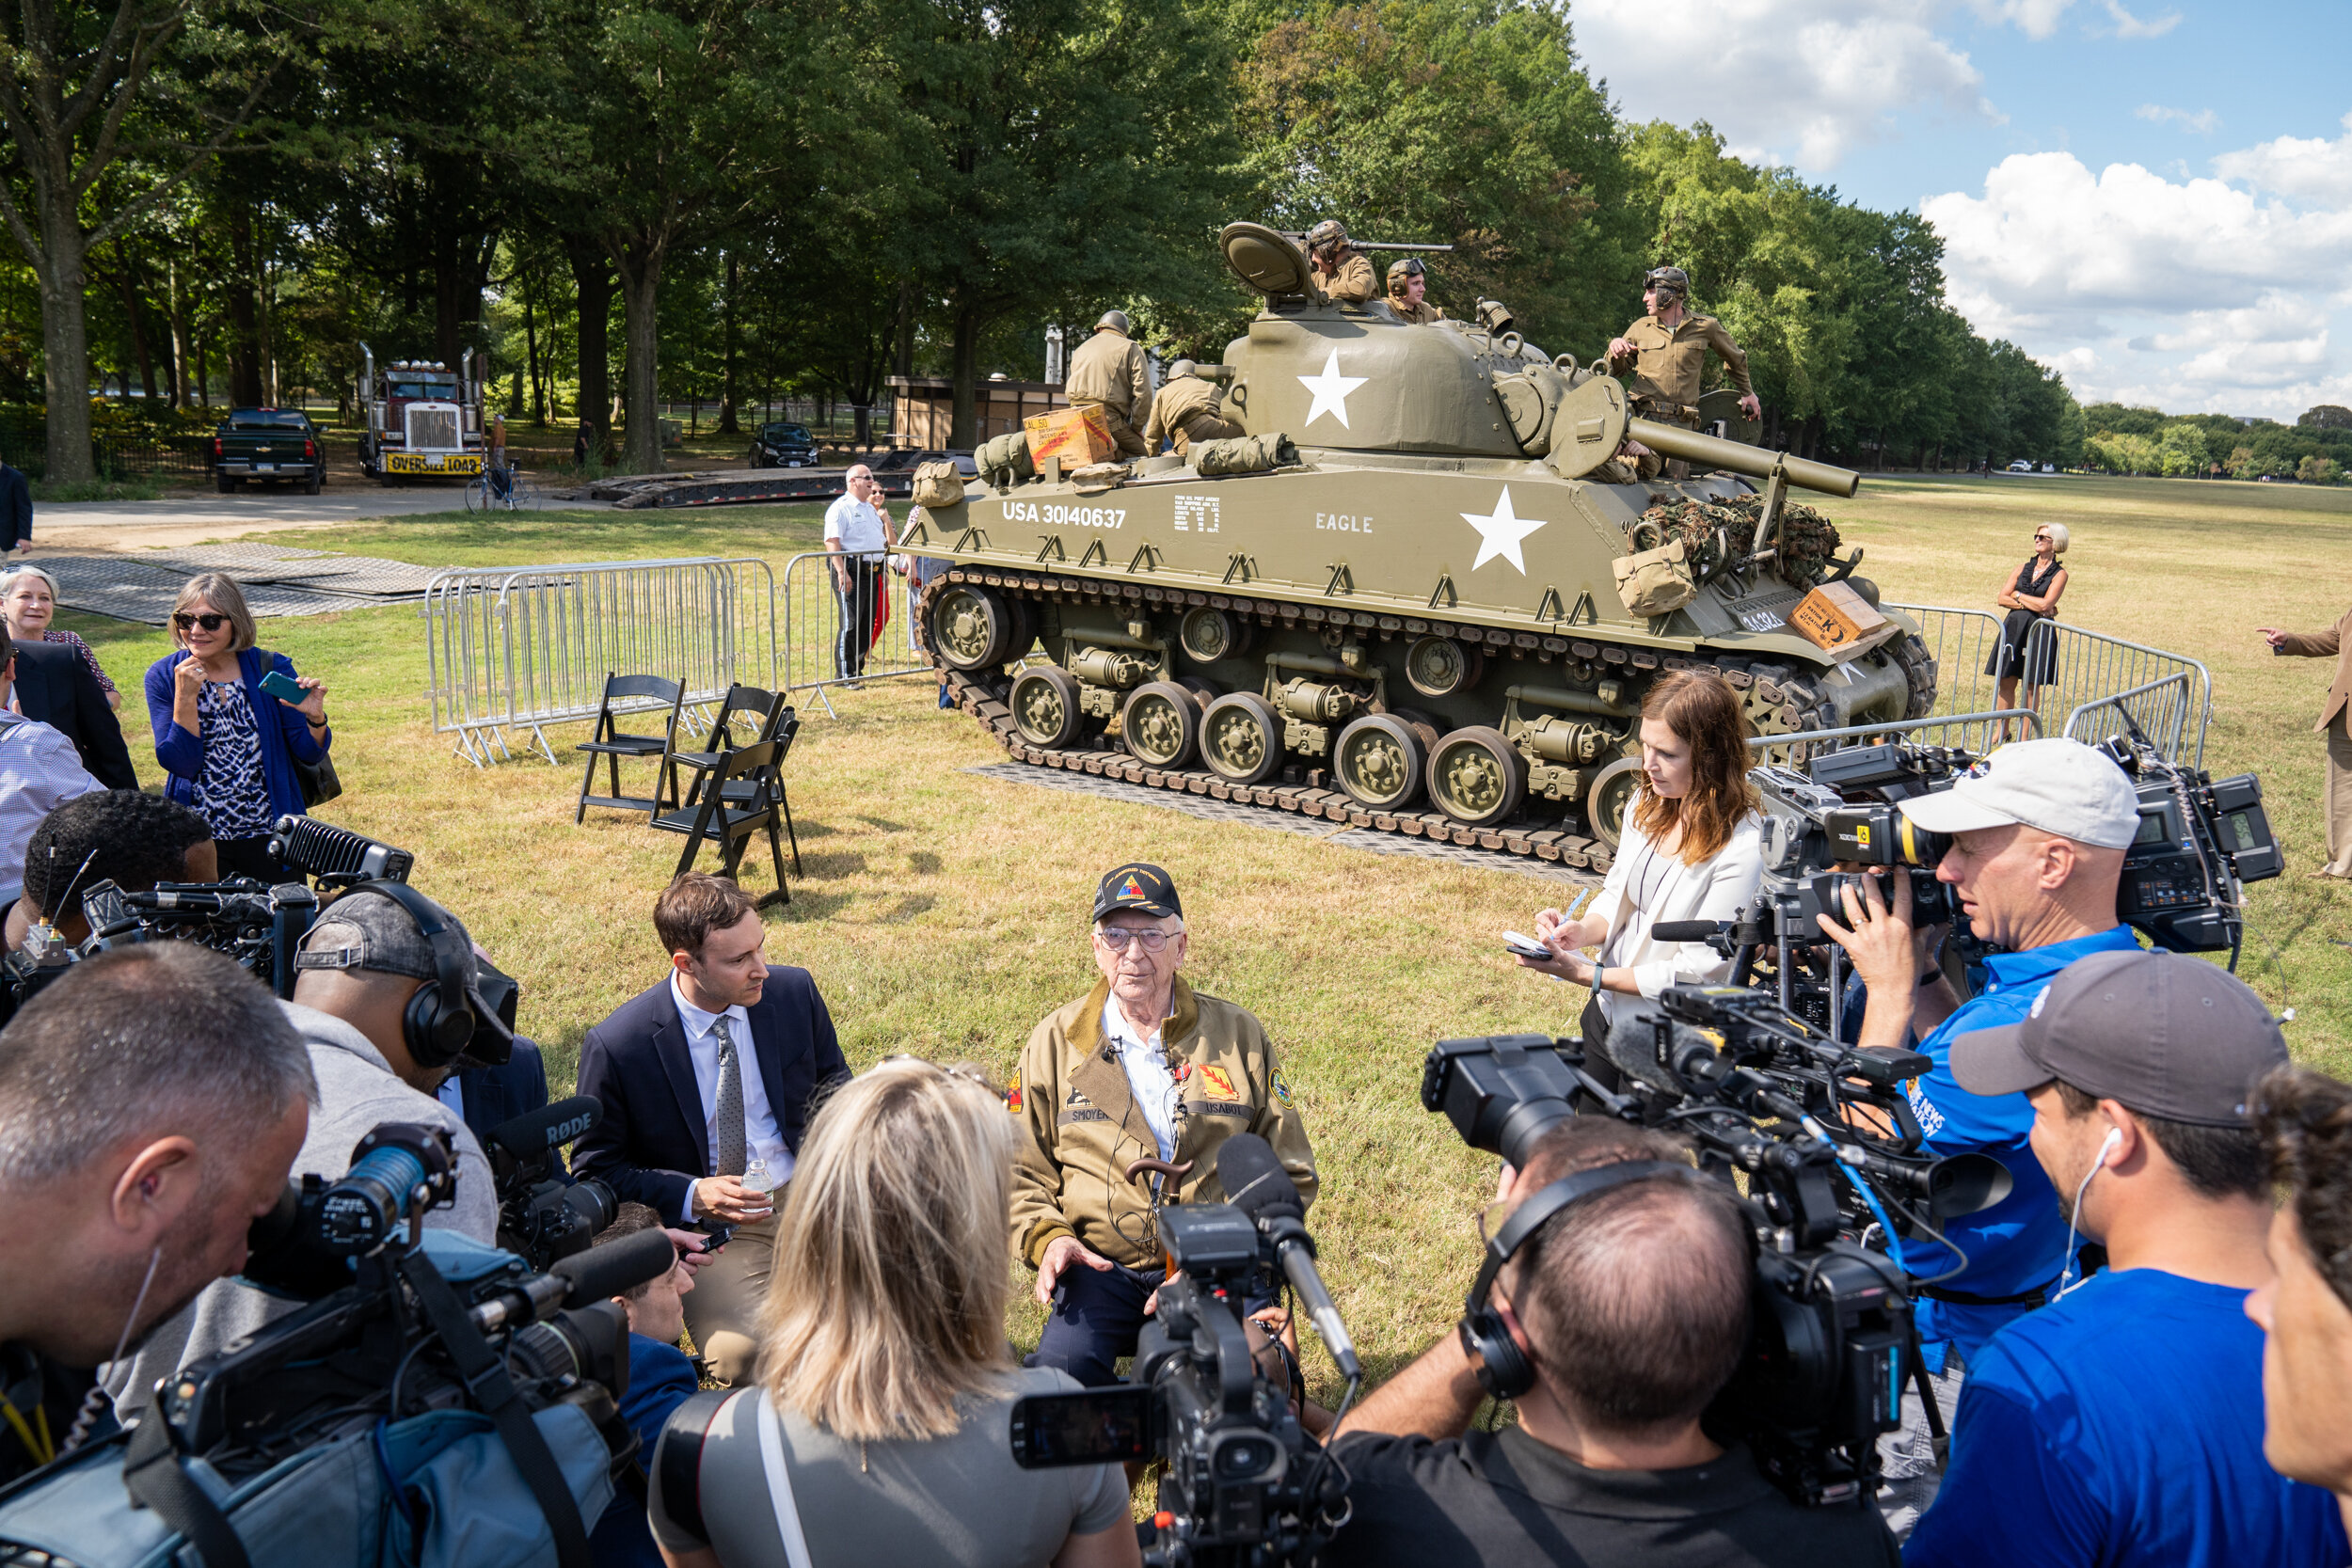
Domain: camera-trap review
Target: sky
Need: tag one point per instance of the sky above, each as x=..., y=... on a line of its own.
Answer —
x=2154, y=199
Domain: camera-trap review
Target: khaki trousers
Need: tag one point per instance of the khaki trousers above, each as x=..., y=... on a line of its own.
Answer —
x=722, y=1308
x=2339, y=796
x=1123, y=436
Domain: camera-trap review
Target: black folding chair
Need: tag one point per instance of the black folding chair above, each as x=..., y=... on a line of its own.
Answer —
x=775, y=720
x=714, y=819
x=612, y=743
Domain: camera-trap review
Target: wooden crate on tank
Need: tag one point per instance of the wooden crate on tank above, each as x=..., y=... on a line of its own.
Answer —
x=1840, y=621
x=1076, y=435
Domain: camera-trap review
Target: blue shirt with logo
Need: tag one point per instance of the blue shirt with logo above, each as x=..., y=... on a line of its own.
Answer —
x=2019, y=1244
x=2122, y=1426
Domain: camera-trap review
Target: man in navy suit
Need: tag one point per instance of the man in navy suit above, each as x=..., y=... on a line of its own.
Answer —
x=54, y=686
x=706, y=1081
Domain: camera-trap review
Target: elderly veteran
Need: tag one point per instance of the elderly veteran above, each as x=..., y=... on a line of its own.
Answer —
x=1142, y=1068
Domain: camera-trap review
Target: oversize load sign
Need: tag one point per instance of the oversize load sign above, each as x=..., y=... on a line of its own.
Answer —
x=435, y=463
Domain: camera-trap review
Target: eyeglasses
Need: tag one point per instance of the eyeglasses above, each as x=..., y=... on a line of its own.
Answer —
x=1117, y=940
x=210, y=622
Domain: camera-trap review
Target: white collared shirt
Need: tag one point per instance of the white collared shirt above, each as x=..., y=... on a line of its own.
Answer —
x=763, y=1138
x=1148, y=1079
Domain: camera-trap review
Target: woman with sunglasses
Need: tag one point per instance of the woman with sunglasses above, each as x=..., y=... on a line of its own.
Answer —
x=2030, y=597
x=228, y=745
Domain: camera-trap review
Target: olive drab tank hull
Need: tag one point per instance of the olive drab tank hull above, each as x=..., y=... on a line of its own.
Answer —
x=1407, y=615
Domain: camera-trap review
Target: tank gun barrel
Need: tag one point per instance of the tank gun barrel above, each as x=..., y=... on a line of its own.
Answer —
x=1369, y=244
x=1713, y=451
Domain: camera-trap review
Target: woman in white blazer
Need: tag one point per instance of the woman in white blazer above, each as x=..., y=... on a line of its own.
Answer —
x=1691, y=850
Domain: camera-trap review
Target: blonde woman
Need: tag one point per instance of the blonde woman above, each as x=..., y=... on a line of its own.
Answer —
x=28, y=598
x=2031, y=598
x=885, y=1387
x=228, y=745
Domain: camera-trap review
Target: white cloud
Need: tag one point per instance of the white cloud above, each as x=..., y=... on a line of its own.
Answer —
x=2204, y=122
x=1797, y=81
x=2035, y=18
x=2303, y=168
x=2129, y=26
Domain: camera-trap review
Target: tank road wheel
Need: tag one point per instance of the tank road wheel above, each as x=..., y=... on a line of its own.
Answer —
x=1611, y=793
x=1477, y=776
x=1208, y=635
x=972, y=628
x=1909, y=651
x=1439, y=666
x=1241, y=740
x=1045, y=703
x=1161, y=724
x=1378, y=760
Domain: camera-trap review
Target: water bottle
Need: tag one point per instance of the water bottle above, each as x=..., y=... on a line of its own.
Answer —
x=755, y=1176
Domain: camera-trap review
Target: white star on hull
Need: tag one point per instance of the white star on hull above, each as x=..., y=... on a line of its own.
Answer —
x=1330, y=389
x=1500, y=532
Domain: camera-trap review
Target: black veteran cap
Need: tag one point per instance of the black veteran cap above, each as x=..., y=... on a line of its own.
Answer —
x=1140, y=887
x=2165, y=1035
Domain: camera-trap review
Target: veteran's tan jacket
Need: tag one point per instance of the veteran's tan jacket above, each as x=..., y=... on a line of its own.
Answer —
x=1081, y=1126
x=1670, y=363
x=2335, y=643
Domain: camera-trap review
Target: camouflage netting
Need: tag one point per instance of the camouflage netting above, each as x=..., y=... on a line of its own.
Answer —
x=1807, y=539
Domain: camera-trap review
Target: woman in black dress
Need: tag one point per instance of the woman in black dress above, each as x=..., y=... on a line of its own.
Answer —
x=2031, y=596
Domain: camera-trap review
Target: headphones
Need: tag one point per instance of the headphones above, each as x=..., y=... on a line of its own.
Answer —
x=1503, y=1368
x=2074, y=1217
x=439, y=1021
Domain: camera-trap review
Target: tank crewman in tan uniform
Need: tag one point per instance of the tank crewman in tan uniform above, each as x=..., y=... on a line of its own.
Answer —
x=1108, y=371
x=1408, y=281
x=1668, y=348
x=1187, y=411
x=1140, y=1068
x=1341, y=272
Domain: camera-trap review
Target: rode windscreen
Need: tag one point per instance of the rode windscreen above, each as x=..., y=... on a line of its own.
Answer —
x=1256, y=1183
x=1254, y=1180
x=535, y=1133
x=1688, y=930
x=605, y=1271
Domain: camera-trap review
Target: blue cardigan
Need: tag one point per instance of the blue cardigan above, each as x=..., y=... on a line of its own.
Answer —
x=284, y=743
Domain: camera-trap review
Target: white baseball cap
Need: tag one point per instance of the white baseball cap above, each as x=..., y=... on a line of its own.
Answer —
x=2059, y=786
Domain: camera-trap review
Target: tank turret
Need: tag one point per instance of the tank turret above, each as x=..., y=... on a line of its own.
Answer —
x=1419, y=624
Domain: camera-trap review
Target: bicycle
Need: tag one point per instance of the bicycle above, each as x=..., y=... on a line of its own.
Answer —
x=519, y=494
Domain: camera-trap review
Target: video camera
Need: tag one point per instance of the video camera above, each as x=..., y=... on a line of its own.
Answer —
x=544, y=1214
x=403, y=1331
x=259, y=925
x=1759, y=1090
x=1245, y=1483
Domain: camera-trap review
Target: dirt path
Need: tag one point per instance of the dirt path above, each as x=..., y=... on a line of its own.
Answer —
x=107, y=527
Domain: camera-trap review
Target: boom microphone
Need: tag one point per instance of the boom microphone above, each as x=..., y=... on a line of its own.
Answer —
x=1633, y=1050
x=1256, y=1183
x=1688, y=930
x=607, y=1271
x=535, y=1133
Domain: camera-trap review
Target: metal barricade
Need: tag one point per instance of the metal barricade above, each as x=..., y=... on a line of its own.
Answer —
x=523, y=648
x=2085, y=668
x=816, y=656
x=2106, y=715
x=1974, y=732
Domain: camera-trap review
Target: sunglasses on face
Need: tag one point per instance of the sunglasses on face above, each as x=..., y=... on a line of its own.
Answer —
x=210, y=622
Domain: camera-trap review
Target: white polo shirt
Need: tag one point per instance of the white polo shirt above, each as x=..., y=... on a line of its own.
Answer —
x=851, y=524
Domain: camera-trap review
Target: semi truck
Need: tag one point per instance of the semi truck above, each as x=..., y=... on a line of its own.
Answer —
x=420, y=419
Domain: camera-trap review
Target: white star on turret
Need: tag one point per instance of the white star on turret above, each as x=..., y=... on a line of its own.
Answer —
x=1330, y=389
x=1500, y=532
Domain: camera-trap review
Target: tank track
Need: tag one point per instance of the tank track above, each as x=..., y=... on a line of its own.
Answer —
x=1779, y=699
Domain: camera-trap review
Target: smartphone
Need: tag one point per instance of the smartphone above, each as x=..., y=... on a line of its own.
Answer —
x=1091, y=1426
x=719, y=1233
x=1526, y=947
x=284, y=688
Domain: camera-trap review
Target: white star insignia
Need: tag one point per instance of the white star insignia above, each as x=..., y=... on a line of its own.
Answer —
x=1500, y=532
x=1330, y=389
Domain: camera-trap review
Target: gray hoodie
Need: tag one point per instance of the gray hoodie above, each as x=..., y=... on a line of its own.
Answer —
x=357, y=1091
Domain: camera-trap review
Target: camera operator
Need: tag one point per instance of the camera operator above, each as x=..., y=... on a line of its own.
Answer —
x=2305, y=1121
x=372, y=1043
x=884, y=1385
x=151, y=1102
x=2114, y=1426
x=1631, y=1307
x=2038, y=842
x=660, y=1379
x=1691, y=850
x=122, y=836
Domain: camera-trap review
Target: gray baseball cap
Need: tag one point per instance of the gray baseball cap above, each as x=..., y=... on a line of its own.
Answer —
x=369, y=930
x=2165, y=1035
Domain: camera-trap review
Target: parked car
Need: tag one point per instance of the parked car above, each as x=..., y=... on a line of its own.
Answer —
x=2049, y=467
x=277, y=446
x=784, y=446
x=2020, y=467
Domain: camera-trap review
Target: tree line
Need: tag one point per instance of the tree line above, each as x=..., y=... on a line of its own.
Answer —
x=634, y=201
x=2316, y=450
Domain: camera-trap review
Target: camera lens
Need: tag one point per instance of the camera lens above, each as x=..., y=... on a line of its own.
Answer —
x=360, y=1212
x=1246, y=1457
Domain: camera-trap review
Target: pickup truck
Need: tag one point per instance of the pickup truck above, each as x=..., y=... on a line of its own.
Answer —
x=276, y=445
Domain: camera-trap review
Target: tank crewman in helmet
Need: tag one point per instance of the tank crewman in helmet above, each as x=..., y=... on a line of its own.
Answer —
x=1341, y=271
x=1669, y=350
x=1187, y=411
x=1408, y=280
x=1108, y=371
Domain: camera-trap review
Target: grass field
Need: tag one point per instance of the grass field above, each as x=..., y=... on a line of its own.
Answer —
x=943, y=913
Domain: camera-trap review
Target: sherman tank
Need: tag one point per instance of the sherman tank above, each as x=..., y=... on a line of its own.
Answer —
x=1410, y=617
